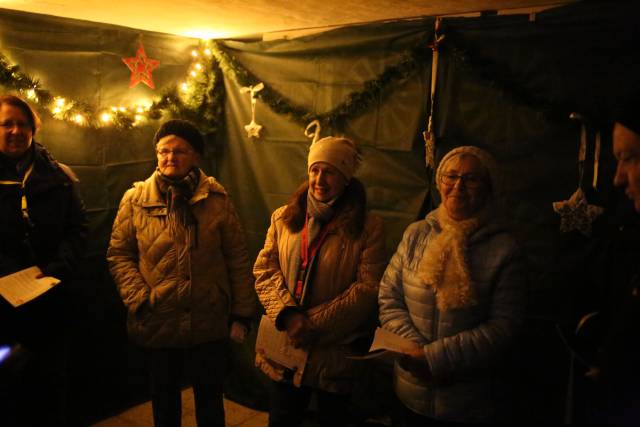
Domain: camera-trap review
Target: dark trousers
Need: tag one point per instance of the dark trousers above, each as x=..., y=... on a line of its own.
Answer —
x=206, y=363
x=289, y=406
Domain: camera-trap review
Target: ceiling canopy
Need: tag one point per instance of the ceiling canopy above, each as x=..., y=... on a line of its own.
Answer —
x=237, y=18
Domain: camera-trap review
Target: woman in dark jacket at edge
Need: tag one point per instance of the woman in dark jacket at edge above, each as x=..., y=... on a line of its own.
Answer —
x=42, y=223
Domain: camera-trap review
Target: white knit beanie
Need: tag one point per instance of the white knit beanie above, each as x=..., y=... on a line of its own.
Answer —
x=487, y=160
x=339, y=152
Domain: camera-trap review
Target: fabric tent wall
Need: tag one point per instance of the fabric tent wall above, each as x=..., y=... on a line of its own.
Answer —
x=318, y=73
x=504, y=82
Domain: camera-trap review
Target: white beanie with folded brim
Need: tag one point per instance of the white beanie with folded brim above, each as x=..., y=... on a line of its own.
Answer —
x=339, y=152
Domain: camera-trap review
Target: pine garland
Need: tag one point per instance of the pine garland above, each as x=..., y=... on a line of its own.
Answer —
x=356, y=103
x=204, y=106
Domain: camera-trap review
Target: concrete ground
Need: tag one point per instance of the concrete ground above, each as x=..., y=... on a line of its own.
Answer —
x=140, y=416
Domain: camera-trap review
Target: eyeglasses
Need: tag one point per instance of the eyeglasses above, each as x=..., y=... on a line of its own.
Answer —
x=19, y=125
x=470, y=180
x=164, y=152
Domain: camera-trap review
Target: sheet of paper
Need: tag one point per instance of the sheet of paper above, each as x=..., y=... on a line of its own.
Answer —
x=277, y=346
x=386, y=345
x=385, y=340
x=24, y=285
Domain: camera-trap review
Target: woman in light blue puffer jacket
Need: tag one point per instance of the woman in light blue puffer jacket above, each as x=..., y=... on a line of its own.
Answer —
x=455, y=287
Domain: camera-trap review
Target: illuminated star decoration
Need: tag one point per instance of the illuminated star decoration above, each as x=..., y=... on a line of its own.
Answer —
x=576, y=213
x=141, y=67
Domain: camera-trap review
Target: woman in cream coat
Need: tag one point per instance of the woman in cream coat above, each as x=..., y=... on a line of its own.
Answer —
x=317, y=278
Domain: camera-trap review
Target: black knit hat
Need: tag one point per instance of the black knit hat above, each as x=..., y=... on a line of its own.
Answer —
x=627, y=112
x=183, y=129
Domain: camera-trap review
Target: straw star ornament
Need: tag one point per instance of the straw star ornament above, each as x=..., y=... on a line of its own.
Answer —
x=253, y=129
x=576, y=213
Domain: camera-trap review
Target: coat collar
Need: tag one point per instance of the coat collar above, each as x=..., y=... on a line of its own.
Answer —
x=151, y=196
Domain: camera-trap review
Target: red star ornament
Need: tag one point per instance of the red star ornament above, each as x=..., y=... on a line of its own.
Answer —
x=141, y=67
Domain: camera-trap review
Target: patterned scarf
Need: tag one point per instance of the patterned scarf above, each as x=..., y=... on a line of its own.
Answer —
x=320, y=213
x=444, y=265
x=177, y=193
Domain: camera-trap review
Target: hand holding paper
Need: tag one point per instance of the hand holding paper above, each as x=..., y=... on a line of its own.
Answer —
x=387, y=340
x=24, y=285
x=386, y=343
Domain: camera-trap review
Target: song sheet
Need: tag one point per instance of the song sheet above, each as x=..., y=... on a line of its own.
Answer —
x=277, y=346
x=24, y=285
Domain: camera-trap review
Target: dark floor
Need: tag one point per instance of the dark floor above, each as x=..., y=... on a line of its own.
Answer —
x=140, y=415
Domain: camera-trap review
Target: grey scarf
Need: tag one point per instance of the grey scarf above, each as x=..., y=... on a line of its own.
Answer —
x=320, y=213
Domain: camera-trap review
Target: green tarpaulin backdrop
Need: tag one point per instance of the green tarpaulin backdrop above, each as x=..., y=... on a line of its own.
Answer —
x=507, y=83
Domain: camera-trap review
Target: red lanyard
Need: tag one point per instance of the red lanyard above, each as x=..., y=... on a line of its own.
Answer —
x=308, y=253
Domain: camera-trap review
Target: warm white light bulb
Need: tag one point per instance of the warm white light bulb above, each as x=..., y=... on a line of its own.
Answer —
x=114, y=109
x=60, y=102
x=198, y=66
x=31, y=94
x=184, y=87
x=207, y=52
x=105, y=117
x=193, y=74
x=78, y=118
x=56, y=110
x=122, y=109
x=194, y=53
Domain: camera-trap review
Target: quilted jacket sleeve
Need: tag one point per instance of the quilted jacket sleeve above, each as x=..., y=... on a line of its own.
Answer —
x=393, y=311
x=481, y=346
x=270, y=284
x=123, y=257
x=356, y=306
x=243, y=301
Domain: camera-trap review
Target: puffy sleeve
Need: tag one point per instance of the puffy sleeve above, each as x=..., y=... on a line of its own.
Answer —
x=393, y=311
x=355, y=306
x=123, y=257
x=270, y=283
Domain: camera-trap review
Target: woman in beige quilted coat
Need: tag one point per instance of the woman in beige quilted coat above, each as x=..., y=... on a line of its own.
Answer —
x=317, y=278
x=178, y=257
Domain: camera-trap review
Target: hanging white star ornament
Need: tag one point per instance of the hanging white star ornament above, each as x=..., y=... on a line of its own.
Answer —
x=576, y=213
x=253, y=129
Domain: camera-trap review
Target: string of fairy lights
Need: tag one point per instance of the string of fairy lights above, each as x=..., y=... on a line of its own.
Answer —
x=200, y=96
x=184, y=99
